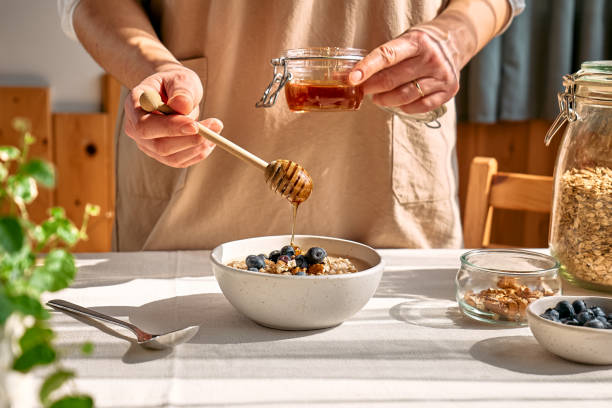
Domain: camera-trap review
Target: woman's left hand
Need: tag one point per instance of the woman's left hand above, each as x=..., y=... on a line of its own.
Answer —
x=410, y=72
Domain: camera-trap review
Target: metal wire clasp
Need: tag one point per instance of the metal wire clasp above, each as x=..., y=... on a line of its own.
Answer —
x=567, y=105
x=278, y=79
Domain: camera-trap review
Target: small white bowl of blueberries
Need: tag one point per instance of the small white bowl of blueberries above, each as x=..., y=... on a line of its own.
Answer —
x=577, y=328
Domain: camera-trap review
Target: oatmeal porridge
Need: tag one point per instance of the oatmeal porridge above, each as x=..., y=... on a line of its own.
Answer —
x=292, y=260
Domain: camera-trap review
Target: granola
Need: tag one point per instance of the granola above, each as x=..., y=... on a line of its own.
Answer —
x=508, y=301
x=297, y=262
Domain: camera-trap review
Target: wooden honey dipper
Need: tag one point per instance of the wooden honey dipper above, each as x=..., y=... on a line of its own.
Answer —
x=285, y=177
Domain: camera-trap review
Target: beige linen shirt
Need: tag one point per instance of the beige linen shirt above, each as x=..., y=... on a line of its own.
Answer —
x=378, y=179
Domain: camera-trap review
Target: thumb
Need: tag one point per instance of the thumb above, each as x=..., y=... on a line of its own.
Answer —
x=182, y=94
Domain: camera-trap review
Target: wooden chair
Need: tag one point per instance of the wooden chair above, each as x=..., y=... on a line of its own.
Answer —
x=488, y=189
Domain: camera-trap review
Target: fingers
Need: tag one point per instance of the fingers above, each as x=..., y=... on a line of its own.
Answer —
x=384, y=56
x=213, y=124
x=183, y=158
x=393, y=77
x=426, y=104
x=408, y=93
x=152, y=126
x=180, y=151
x=394, y=83
x=184, y=92
x=167, y=146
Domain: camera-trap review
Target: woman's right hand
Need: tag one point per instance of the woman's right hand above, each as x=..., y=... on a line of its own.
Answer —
x=170, y=139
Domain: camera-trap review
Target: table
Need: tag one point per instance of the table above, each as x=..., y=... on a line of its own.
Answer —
x=409, y=347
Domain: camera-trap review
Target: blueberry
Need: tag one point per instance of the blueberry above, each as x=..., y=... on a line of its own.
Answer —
x=274, y=255
x=262, y=256
x=565, y=309
x=572, y=322
x=253, y=269
x=551, y=314
x=287, y=250
x=284, y=258
x=602, y=319
x=584, y=317
x=597, y=311
x=254, y=261
x=301, y=273
x=595, y=324
x=609, y=316
x=301, y=261
x=579, y=306
x=315, y=255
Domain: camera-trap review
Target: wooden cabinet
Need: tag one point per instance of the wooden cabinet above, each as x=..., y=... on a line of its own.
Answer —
x=82, y=148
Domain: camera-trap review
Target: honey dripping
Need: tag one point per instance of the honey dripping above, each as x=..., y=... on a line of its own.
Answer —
x=322, y=95
x=293, y=219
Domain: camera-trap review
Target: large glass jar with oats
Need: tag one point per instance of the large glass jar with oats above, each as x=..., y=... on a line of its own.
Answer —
x=581, y=220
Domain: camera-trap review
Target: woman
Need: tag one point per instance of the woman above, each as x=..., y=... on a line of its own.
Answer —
x=379, y=179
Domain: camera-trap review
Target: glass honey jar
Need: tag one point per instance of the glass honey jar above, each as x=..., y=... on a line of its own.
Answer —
x=581, y=220
x=315, y=80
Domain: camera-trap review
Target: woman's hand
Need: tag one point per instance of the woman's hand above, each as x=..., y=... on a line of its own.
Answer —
x=411, y=72
x=170, y=139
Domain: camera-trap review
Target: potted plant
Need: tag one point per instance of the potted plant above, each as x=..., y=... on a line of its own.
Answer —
x=34, y=258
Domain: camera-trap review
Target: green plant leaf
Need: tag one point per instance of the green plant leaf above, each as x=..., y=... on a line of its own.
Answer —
x=87, y=348
x=29, y=306
x=53, y=382
x=67, y=232
x=57, y=212
x=56, y=273
x=92, y=209
x=21, y=125
x=6, y=307
x=73, y=401
x=3, y=172
x=9, y=153
x=11, y=235
x=22, y=188
x=28, y=139
x=34, y=336
x=39, y=170
x=38, y=355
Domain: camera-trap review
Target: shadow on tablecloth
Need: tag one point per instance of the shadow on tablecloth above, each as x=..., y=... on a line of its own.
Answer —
x=523, y=354
x=428, y=299
x=219, y=323
x=430, y=283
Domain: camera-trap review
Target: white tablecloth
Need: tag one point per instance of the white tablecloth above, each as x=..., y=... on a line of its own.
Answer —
x=409, y=347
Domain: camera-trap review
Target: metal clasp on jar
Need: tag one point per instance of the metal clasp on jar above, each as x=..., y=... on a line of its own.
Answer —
x=567, y=111
x=278, y=79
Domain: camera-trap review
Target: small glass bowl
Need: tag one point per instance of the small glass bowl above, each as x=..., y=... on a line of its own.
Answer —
x=497, y=285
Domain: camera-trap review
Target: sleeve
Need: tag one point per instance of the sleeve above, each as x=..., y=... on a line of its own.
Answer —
x=65, y=9
x=517, y=7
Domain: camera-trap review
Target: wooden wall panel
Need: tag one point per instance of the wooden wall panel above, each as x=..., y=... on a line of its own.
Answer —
x=518, y=147
x=34, y=104
x=85, y=173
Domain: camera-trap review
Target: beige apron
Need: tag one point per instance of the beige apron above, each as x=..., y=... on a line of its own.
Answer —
x=377, y=179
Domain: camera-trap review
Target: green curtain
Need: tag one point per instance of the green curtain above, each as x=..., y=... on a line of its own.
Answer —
x=518, y=74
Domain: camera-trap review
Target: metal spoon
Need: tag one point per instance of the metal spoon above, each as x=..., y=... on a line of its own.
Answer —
x=150, y=341
x=285, y=177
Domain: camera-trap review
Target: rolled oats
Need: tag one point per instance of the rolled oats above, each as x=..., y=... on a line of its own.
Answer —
x=582, y=231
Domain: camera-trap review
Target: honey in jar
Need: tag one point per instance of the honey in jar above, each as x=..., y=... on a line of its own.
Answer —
x=317, y=95
x=315, y=79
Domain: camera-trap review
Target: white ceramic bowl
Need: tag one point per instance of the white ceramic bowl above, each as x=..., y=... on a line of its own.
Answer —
x=581, y=344
x=297, y=302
